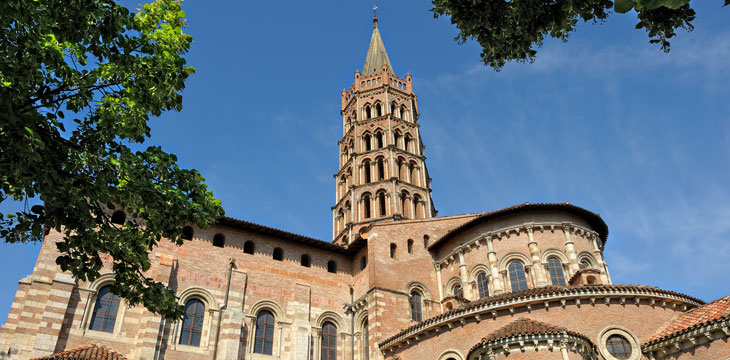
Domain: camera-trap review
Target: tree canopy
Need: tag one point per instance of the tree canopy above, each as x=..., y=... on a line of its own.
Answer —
x=512, y=30
x=79, y=81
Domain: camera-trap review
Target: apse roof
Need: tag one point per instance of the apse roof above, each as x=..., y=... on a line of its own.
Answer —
x=90, y=352
x=712, y=312
x=524, y=327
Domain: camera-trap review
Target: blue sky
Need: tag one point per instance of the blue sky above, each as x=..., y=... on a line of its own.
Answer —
x=605, y=121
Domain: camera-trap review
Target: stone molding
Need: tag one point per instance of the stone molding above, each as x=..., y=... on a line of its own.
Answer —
x=687, y=340
x=535, y=343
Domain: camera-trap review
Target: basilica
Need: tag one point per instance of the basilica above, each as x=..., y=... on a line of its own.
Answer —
x=395, y=281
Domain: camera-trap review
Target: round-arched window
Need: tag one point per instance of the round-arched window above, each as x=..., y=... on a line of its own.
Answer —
x=192, y=325
x=517, y=276
x=618, y=346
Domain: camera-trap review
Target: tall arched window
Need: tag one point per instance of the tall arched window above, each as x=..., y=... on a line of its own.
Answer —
x=363, y=262
x=379, y=140
x=366, y=169
x=379, y=110
x=192, y=325
x=555, y=268
x=416, y=306
x=368, y=112
x=517, y=275
x=417, y=208
x=585, y=264
x=249, y=247
x=404, y=208
x=407, y=143
x=403, y=112
x=482, y=285
x=306, y=261
x=263, y=342
x=396, y=138
x=329, y=341
x=402, y=174
x=365, y=341
x=410, y=246
x=332, y=266
x=105, y=311
x=381, y=203
x=278, y=254
x=381, y=169
x=366, y=142
x=414, y=173
x=366, y=206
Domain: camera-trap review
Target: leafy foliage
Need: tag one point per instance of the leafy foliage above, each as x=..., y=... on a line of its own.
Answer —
x=79, y=81
x=510, y=30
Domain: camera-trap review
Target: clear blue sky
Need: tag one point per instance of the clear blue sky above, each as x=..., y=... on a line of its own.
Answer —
x=606, y=121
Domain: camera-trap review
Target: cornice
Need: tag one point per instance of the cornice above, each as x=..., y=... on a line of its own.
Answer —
x=578, y=296
x=694, y=337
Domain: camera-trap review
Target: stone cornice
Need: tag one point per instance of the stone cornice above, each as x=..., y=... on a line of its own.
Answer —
x=536, y=342
x=505, y=232
x=558, y=296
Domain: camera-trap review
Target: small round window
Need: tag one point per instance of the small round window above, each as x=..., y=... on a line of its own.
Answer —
x=618, y=347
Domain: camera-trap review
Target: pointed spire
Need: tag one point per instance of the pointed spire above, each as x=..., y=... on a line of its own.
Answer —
x=376, y=56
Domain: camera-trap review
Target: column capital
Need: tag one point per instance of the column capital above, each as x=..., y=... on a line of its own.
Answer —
x=529, y=228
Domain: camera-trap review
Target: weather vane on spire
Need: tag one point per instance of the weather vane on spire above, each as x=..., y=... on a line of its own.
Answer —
x=375, y=10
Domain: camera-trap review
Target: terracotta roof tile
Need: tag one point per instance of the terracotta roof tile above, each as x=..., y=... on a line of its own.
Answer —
x=593, y=219
x=700, y=316
x=523, y=327
x=91, y=352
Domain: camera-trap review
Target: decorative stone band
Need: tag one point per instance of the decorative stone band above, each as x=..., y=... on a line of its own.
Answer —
x=481, y=240
x=534, y=342
x=686, y=340
x=533, y=299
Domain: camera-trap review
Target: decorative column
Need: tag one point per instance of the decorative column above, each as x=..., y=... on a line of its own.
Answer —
x=497, y=283
x=598, y=254
x=570, y=250
x=437, y=268
x=464, y=276
x=564, y=349
x=535, y=253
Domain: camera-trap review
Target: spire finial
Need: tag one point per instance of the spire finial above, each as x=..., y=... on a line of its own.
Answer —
x=375, y=15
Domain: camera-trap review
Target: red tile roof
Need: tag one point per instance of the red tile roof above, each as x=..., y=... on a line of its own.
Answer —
x=593, y=219
x=91, y=352
x=716, y=311
x=523, y=327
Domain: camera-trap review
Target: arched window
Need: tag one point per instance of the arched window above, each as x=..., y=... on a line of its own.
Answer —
x=381, y=203
x=417, y=209
x=219, y=240
x=458, y=291
x=416, y=306
x=366, y=169
x=407, y=143
x=414, y=173
x=105, y=311
x=618, y=347
x=379, y=110
x=517, y=275
x=332, y=266
x=119, y=217
x=263, y=342
x=278, y=254
x=249, y=247
x=366, y=142
x=396, y=138
x=585, y=264
x=402, y=174
x=192, y=325
x=381, y=169
x=187, y=233
x=404, y=208
x=363, y=262
x=403, y=113
x=379, y=139
x=366, y=206
x=555, y=268
x=393, y=248
x=306, y=261
x=329, y=341
x=368, y=112
x=410, y=246
x=365, y=341
x=425, y=241
x=482, y=285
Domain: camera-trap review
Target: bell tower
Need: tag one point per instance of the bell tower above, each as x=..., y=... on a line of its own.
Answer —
x=382, y=170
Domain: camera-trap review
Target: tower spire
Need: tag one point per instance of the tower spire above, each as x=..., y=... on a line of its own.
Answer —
x=377, y=56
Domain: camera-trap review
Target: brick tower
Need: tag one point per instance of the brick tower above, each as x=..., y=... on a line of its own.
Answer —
x=382, y=170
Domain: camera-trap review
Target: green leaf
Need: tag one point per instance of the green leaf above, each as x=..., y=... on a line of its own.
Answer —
x=623, y=6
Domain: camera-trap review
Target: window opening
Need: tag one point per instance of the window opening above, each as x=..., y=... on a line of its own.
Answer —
x=618, y=347
x=363, y=262
x=192, y=325
x=278, y=254
x=187, y=233
x=249, y=247
x=332, y=266
x=329, y=341
x=381, y=203
x=393, y=248
x=416, y=310
x=410, y=246
x=219, y=240
x=264, y=336
x=555, y=267
x=105, y=311
x=306, y=261
x=482, y=285
x=517, y=276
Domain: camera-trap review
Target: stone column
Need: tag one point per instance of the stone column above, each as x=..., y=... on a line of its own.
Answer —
x=464, y=275
x=598, y=254
x=229, y=341
x=537, y=264
x=570, y=250
x=497, y=284
x=437, y=268
x=564, y=349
